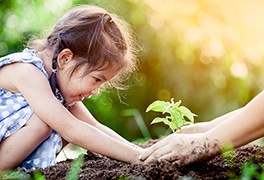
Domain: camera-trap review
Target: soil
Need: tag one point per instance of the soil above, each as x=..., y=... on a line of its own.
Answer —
x=98, y=167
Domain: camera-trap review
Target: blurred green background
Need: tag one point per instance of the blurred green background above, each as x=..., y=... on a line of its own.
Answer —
x=209, y=54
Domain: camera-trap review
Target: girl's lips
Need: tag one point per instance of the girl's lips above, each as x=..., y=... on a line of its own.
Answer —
x=81, y=97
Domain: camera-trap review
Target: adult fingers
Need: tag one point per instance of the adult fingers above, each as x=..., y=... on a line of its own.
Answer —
x=169, y=157
x=181, y=160
x=190, y=129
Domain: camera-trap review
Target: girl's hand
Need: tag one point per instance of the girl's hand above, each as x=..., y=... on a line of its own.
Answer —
x=137, y=161
x=183, y=149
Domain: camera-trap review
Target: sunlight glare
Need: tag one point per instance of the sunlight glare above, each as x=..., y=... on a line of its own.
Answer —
x=234, y=27
x=239, y=70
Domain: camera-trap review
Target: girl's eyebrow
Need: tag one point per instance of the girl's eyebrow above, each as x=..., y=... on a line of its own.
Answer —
x=101, y=76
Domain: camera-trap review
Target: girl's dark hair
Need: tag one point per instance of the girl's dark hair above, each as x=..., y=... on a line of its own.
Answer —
x=97, y=38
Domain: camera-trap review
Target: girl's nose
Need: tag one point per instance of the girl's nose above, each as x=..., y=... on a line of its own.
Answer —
x=96, y=91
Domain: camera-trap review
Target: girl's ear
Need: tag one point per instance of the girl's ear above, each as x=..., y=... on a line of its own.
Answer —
x=64, y=57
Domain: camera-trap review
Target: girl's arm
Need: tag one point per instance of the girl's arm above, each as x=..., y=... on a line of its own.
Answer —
x=29, y=81
x=81, y=112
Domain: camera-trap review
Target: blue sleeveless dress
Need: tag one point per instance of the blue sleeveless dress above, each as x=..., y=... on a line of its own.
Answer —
x=15, y=112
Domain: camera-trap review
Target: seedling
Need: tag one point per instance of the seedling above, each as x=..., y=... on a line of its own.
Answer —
x=177, y=114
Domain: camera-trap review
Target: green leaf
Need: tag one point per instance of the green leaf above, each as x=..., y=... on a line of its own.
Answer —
x=157, y=120
x=158, y=106
x=38, y=175
x=178, y=119
x=186, y=112
x=173, y=126
x=187, y=123
x=176, y=105
x=176, y=115
x=75, y=168
x=166, y=121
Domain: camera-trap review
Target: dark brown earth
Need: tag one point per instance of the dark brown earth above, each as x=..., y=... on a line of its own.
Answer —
x=231, y=165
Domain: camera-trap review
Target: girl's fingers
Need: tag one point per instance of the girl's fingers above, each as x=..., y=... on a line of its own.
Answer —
x=155, y=155
x=146, y=153
x=149, y=151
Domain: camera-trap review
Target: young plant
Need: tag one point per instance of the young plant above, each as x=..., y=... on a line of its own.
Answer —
x=177, y=114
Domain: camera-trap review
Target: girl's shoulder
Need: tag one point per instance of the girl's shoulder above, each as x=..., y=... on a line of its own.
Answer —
x=26, y=56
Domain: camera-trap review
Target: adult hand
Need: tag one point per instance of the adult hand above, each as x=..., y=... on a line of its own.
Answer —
x=195, y=128
x=183, y=149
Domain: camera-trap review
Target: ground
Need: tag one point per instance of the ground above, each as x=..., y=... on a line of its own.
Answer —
x=97, y=167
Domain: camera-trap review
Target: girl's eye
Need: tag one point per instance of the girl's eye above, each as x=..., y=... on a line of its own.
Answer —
x=97, y=79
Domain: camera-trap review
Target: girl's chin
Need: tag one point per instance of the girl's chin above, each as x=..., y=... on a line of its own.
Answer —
x=73, y=101
x=71, y=104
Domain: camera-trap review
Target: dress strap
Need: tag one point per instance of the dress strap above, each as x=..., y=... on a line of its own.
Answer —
x=55, y=88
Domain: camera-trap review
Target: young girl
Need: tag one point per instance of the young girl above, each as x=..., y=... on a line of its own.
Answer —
x=203, y=140
x=41, y=90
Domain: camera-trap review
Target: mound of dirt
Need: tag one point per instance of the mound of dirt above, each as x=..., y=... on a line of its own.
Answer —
x=98, y=167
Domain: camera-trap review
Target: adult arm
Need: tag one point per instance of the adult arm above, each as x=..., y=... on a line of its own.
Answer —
x=239, y=129
x=206, y=126
x=243, y=127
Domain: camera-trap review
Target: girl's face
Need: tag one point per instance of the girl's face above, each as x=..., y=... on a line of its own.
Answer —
x=77, y=87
